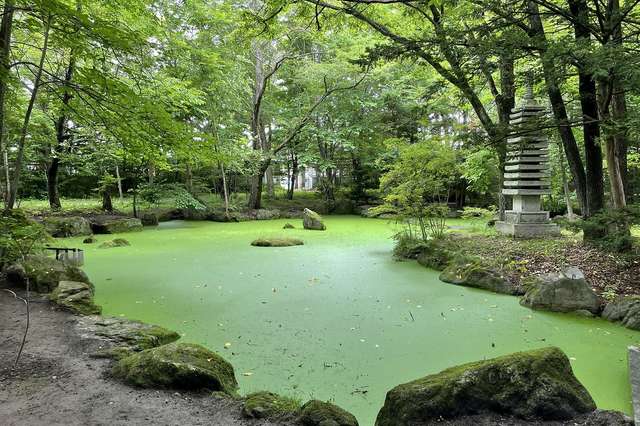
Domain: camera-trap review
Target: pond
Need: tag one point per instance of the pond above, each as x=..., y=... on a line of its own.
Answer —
x=336, y=319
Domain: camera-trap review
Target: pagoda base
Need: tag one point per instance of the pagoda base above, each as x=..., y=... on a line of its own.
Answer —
x=528, y=230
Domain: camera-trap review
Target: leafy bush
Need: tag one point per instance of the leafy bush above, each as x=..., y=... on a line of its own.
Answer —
x=609, y=229
x=20, y=236
x=407, y=247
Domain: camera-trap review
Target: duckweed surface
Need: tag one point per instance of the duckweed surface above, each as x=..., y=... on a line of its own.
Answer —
x=337, y=318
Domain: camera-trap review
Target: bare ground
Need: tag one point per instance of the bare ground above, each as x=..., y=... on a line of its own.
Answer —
x=58, y=383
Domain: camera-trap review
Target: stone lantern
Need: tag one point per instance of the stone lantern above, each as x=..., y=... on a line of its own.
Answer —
x=526, y=174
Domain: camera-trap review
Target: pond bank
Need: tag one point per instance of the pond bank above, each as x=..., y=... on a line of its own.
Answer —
x=57, y=382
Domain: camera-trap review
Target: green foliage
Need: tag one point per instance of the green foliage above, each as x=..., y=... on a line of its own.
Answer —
x=478, y=212
x=20, y=236
x=609, y=229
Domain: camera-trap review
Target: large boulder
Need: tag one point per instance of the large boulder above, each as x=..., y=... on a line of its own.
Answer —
x=67, y=226
x=44, y=273
x=127, y=335
x=277, y=242
x=178, y=366
x=624, y=309
x=116, y=225
x=76, y=297
x=471, y=273
x=566, y=291
x=537, y=384
x=268, y=405
x=312, y=220
x=149, y=219
x=318, y=413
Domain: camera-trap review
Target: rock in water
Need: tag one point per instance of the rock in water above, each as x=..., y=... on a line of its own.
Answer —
x=566, y=291
x=90, y=240
x=625, y=310
x=318, y=413
x=67, y=226
x=537, y=384
x=76, y=297
x=277, y=242
x=116, y=225
x=116, y=242
x=473, y=274
x=149, y=219
x=44, y=273
x=268, y=405
x=312, y=220
x=178, y=366
x=288, y=226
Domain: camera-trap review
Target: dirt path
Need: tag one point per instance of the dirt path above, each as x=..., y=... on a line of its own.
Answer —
x=58, y=383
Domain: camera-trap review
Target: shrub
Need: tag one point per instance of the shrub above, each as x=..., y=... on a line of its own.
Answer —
x=609, y=229
x=20, y=236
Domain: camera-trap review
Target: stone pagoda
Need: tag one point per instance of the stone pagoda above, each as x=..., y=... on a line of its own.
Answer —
x=526, y=174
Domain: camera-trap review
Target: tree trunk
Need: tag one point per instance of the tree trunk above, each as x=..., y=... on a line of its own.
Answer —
x=119, y=181
x=52, y=184
x=616, y=185
x=565, y=184
x=269, y=178
x=294, y=176
x=589, y=105
x=107, y=204
x=13, y=194
x=225, y=191
x=559, y=109
x=189, y=178
x=5, y=49
x=255, y=194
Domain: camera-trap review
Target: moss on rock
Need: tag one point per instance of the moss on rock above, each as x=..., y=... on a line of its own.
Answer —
x=67, y=226
x=90, y=240
x=537, y=384
x=471, y=273
x=44, y=273
x=268, y=405
x=318, y=413
x=288, y=226
x=277, y=242
x=116, y=225
x=312, y=220
x=178, y=366
x=133, y=335
x=76, y=297
x=116, y=242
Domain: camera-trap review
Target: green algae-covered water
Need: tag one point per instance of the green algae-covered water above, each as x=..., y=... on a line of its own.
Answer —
x=336, y=319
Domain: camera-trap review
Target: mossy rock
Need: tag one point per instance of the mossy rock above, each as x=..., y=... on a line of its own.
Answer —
x=116, y=225
x=567, y=291
x=277, y=242
x=268, y=405
x=537, y=384
x=318, y=413
x=116, y=242
x=149, y=219
x=288, y=226
x=44, y=273
x=90, y=240
x=470, y=273
x=433, y=255
x=312, y=220
x=76, y=297
x=178, y=366
x=625, y=310
x=67, y=226
x=129, y=334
